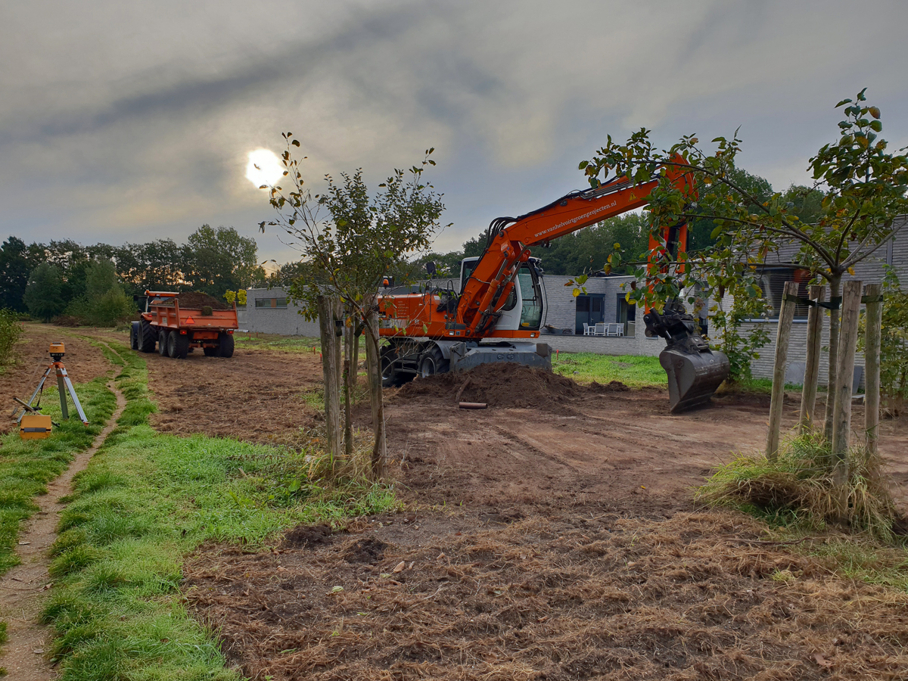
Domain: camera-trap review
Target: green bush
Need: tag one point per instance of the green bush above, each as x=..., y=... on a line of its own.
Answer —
x=105, y=303
x=10, y=331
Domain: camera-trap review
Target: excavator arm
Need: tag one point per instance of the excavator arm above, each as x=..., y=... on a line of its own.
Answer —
x=510, y=239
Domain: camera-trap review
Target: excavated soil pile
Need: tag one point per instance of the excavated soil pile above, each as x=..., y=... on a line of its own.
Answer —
x=504, y=385
x=196, y=300
x=699, y=596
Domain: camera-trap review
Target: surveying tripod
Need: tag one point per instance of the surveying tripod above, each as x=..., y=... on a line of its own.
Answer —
x=64, y=385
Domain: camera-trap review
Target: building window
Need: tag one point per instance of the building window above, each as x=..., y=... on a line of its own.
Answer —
x=271, y=302
x=590, y=310
x=772, y=281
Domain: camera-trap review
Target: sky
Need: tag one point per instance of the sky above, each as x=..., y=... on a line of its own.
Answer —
x=128, y=122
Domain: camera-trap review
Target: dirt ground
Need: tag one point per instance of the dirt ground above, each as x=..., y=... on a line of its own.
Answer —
x=83, y=362
x=256, y=395
x=559, y=596
x=550, y=536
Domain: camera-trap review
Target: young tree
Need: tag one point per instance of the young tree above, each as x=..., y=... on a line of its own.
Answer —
x=349, y=240
x=44, y=292
x=863, y=189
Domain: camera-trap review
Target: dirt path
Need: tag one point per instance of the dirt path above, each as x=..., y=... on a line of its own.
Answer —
x=22, y=588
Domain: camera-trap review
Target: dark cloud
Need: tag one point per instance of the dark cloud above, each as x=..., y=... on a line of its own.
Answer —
x=125, y=122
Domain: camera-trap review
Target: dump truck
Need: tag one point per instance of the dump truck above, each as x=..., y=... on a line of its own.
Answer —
x=498, y=311
x=175, y=331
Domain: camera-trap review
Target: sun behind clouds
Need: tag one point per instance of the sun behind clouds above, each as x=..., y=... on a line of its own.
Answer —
x=264, y=167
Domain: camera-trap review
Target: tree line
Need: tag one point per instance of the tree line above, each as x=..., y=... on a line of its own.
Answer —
x=96, y=283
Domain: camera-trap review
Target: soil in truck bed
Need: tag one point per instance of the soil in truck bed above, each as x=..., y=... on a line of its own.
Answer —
x=195, y=300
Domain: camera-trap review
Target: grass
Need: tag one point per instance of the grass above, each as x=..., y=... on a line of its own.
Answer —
x=797, y=489
x=294, y=344
x=26, y=466
x=145, y=502
x=634, y=371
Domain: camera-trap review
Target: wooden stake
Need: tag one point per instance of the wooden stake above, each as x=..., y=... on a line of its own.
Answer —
x=844, y=385
x=327, y=307
x=783, y=333
x=812, y=368
x=874, y=326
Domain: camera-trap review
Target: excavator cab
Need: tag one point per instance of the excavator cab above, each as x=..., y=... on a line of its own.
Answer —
x=525, y=306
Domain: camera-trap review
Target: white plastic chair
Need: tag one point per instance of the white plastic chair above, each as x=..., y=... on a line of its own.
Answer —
x=587, y=329
x=600, y=329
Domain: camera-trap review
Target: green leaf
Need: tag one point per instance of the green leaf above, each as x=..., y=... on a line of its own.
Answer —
x=842, y=103
x=876, y=125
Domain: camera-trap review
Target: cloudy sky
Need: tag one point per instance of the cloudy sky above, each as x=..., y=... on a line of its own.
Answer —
x=127, y=121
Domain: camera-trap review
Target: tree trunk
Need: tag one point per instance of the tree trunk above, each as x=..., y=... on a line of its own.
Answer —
x=873, y=332
x=373, y=371
x=835, y=297
x=328, y=311
x=783, y=333
x=812, y=368
x=843, y=387
x=349, y=378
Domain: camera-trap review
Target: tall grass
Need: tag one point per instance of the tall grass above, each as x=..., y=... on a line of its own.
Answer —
x=798, y=489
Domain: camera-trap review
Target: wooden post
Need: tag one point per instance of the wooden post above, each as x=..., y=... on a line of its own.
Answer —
x=873, y=333
x=844, y=388
x=835, y=299
x=327, y=312
x=783, y=333
x=373, y=372
x=812, y=369
x=349, y=382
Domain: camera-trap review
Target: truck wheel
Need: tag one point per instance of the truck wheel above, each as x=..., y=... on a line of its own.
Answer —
x=177, y=345
x=433, y=362
x=225, y=345
x=147, y=336
x=134, y=335
x=162, y=343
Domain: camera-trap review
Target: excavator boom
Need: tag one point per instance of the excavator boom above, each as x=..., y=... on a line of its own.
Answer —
x=443, y=330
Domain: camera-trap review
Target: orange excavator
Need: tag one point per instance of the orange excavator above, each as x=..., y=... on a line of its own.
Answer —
x=498, y=312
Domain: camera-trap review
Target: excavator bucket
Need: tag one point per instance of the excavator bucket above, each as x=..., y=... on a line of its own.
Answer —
x=692, y=378
x=694, y=371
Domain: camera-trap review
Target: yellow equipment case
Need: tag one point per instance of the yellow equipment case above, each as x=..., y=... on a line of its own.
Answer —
x=34, y=427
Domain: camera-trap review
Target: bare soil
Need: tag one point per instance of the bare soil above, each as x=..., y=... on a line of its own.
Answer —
x=254, y=395
x=84, y=362
x=550, y=536
x=556, y=597
x=195, y=300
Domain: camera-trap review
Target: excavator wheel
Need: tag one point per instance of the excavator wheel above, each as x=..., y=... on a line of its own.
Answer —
x=433, y=362
x=390, y=377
